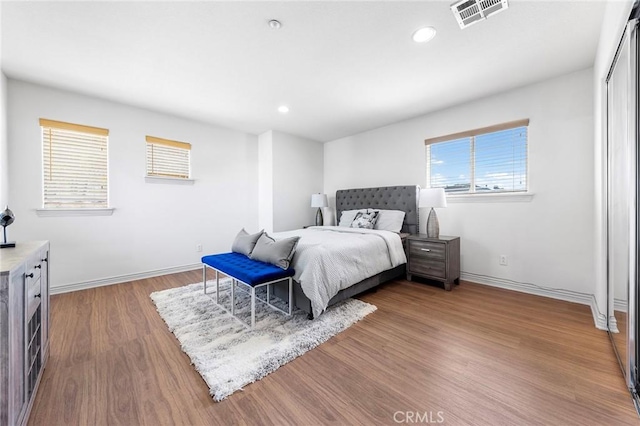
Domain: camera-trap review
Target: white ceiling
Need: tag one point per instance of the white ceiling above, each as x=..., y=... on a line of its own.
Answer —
x=341, y=67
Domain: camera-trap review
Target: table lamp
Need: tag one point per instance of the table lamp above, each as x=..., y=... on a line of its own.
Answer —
x=319, y=201
x=6, y=219
x=434, y=198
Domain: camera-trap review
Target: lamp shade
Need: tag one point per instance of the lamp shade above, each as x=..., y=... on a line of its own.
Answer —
x=319, y=200
x=432, y=197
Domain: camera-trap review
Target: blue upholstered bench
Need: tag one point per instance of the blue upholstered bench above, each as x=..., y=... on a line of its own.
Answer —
x=251, y=273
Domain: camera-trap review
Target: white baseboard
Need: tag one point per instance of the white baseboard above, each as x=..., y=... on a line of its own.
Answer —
x=613, y=323
x=65, y=288
x=619, y=305
x=599, y=319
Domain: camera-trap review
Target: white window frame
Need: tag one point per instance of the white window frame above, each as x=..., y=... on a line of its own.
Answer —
x=72, y=210
x=472, y=195
x=167, y=178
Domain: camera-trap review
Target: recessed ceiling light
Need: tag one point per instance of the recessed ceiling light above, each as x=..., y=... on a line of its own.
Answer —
x=275, y=24
x=283, y=109
x=423, y=35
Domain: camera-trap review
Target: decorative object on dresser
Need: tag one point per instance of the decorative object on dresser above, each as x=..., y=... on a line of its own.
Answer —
x=434, y=258
x=24, y=328
x=228, y=355
x=434, y=198
x=6, y=219
x=319, y=201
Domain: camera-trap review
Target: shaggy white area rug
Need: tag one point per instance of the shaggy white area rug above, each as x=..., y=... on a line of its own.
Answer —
x=228, y=355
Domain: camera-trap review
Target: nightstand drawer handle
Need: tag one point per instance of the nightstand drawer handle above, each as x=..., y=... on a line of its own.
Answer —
x=425, y=249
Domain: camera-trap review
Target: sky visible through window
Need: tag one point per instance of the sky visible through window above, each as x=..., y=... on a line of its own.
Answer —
x=500, y=162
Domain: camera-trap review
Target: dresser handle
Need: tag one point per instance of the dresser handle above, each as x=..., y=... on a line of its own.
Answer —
x=29, y=275
x=425, y=249
x=38, y=266
x=45, y=259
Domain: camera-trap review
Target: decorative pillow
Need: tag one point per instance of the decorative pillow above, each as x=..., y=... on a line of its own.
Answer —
x=347, y=216
x=245, y=242
x=390, y=220
x=365, y=220
x=276, y=252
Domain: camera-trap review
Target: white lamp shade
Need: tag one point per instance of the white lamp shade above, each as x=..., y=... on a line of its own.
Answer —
x=433, y=197
x=319, y=200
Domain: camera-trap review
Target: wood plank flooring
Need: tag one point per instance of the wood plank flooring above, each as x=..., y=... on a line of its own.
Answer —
x=474, y=356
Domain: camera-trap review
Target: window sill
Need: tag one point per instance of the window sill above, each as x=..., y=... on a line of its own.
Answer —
x=168, y=180
x=74, y=212
x=515, y=197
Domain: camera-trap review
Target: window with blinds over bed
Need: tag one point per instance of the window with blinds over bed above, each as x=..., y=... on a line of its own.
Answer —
x=487, y=160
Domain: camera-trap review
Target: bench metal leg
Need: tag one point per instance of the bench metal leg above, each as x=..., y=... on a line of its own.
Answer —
x=253, y=307
x=290, y=295
x=204, y=278
x=233, y=297
x=217, y=287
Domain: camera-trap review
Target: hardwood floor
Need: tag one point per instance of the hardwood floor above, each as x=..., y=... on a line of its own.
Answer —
x=474, y=356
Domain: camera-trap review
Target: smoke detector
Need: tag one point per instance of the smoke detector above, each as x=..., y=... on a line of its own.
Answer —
x=468, y=12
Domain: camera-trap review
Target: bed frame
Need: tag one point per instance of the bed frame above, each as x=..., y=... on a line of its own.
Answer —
x=404, y=198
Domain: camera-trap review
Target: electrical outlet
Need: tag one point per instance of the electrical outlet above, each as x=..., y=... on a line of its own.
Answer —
x=199, y=248
x=503, y=260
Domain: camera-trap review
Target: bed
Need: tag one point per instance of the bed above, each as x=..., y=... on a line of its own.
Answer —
x=404, y=198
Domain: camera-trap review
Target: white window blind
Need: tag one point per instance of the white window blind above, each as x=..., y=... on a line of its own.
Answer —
x=488, y=160
x=75, y=174
x=167, y=158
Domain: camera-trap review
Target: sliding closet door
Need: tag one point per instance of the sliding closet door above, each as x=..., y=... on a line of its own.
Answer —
x=621, y=201
x=634, y=258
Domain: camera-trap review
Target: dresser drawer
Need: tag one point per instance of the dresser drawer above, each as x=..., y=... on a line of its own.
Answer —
x=426, y=249
x=34, y=266
x=422, y=266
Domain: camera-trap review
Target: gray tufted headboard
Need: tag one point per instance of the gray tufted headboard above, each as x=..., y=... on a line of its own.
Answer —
x=403, y=198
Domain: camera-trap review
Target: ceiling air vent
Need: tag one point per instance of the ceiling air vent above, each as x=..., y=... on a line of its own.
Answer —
x=468, y=12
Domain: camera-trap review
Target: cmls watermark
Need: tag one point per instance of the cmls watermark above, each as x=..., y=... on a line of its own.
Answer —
x=423, y=417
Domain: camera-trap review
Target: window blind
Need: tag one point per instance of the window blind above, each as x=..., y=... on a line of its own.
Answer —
x=75, y=172
x=167, y=158
x=491, y=159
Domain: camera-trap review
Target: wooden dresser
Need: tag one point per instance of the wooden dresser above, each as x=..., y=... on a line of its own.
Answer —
x=24, y=327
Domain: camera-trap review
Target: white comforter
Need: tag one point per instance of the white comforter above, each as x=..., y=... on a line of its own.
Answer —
x=331, y=258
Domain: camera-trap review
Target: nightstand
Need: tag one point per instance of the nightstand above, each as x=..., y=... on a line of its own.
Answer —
x=437, y=259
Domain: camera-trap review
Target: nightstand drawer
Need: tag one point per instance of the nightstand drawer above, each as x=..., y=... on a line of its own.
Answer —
x=427, y=249
x=422, y=266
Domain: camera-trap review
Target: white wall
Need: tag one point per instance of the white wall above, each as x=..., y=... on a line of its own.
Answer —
x=154, y=226
x=549, y=240
x=4, y=152
x=291, y=169
x=297, y=173
x=613, y=24
x=265, y=185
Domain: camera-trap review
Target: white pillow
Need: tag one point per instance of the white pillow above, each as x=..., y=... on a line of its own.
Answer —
x=347, y=217
x=390, y=220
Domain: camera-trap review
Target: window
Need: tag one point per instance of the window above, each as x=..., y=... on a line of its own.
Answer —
x=488, y=160
x=75, y=174
x=167, y=158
